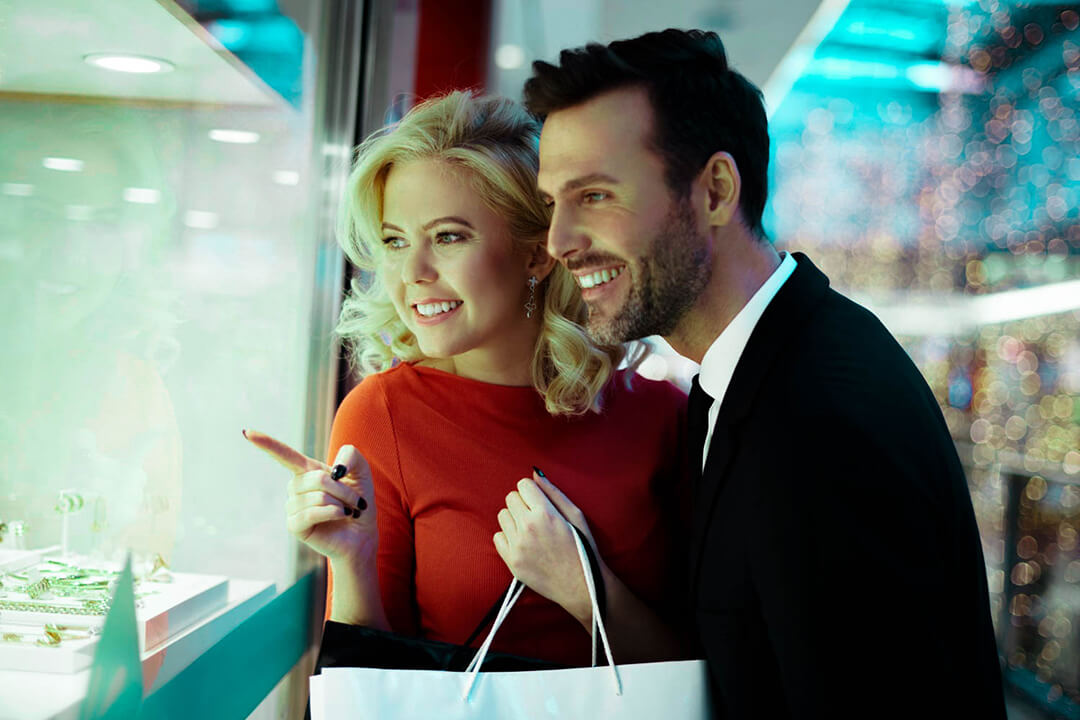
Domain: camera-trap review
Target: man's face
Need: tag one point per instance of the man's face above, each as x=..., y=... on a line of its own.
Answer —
x=634, y=248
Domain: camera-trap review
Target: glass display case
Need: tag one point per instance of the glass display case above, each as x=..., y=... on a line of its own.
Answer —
x=169, y=183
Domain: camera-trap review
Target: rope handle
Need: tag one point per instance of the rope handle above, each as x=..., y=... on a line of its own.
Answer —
x=512, y=595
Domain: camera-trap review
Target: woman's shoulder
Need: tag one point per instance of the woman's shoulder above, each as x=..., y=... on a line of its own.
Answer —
x=365, y=418
x=370, y=396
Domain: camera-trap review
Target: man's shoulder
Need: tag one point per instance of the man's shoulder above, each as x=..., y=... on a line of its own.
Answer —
x=842, y=340
x=840, y=364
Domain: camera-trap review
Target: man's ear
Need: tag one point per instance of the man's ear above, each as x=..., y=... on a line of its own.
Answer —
x=540, y=262
x=723, y=187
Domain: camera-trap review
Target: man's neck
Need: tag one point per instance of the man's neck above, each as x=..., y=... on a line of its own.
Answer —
x=736, y=276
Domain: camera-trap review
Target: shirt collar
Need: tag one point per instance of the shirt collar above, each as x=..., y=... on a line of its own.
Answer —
x=718, y=364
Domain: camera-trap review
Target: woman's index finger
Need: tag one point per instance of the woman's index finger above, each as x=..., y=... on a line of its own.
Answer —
x=293, y=460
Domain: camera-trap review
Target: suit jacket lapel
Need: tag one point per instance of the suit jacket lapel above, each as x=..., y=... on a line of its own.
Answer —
x=796, y=299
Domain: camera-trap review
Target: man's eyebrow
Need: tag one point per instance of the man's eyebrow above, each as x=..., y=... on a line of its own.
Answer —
x=586, y=180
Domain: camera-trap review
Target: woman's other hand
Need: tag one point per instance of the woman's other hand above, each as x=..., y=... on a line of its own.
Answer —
x=539, y=548
x=335, y=518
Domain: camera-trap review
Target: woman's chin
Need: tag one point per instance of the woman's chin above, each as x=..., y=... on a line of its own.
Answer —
x=437, y=351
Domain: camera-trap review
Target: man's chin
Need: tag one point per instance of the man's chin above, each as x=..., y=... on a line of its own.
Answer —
x=604, y=330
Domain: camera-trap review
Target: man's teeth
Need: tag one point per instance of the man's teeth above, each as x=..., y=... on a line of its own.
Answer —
x=432, y=309
x=598, y=278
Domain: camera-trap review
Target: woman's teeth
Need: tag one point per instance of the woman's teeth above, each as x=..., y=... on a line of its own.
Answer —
x=598, y=278
x=432, y=309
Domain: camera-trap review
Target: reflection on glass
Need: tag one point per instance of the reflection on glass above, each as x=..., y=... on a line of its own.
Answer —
x=156, y=288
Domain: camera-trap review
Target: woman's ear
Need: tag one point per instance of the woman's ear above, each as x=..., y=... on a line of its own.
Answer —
x=540, y=262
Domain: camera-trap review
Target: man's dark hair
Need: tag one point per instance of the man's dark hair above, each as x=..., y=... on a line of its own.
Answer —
x=700, y=105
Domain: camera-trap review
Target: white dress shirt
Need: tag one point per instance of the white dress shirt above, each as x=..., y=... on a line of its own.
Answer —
x=723, y=355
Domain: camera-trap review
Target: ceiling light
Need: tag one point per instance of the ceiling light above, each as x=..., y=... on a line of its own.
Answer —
x=201, y=219
x=64, y=164
x=138, y=64
x=17, y=189
x=143, y=196
x=286, y=177
x=336, y=150
x=241, y=137
x=509, y=57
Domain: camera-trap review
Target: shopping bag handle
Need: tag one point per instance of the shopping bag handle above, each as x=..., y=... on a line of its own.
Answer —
x=512, y=595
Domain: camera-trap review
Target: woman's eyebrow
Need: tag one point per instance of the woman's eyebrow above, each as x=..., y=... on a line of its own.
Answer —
x=448, y=218
x=433, y=223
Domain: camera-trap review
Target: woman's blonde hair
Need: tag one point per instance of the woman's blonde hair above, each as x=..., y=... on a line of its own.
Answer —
x=496, y=140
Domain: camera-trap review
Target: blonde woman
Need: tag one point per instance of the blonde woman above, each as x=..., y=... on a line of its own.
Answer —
x=478, y=381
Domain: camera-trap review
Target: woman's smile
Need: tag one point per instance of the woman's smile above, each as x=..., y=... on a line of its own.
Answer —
x=432, y=312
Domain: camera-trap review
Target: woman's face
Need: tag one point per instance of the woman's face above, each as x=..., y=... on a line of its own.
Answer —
x=450, y=264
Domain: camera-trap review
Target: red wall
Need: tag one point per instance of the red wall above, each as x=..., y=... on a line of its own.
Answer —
x=453, y=42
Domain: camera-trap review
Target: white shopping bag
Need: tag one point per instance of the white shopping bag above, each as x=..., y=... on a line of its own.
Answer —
x=644, y=691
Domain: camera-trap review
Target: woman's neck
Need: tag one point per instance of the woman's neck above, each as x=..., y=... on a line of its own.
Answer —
x=507, y=363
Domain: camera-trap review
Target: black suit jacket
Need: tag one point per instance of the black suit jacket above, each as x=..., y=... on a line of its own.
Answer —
x=836, y=567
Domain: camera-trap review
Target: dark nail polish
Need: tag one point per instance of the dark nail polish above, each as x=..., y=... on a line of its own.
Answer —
x=244, y=433
x=338, y=472
x=356, y=513
x=361, y=504
x=539, y=472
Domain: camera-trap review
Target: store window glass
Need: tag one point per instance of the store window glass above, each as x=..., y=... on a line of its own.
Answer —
x=167, y=278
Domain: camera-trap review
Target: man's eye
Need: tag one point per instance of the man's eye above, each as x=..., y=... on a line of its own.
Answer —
x=394, y=243
x=448, y=238
x=594, y=196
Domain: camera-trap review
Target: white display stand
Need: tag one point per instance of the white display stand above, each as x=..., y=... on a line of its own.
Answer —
x=53, y=696
x=16, y=560
x=165, y=609
x=170, y=608
x=70, y=656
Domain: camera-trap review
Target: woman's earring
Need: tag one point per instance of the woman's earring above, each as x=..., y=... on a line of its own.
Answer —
x=530, y=304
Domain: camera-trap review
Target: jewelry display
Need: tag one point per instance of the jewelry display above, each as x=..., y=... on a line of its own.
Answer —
x=17, y=530
x=59, y=602
x=47, y=638
x=50, y=635
x=68, y=503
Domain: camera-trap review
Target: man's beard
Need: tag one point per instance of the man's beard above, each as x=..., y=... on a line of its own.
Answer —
x=671, y=276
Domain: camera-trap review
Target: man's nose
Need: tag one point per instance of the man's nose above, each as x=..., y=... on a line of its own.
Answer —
x=566, y=237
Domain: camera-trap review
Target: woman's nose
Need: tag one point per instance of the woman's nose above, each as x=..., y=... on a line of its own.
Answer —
x=419, y=266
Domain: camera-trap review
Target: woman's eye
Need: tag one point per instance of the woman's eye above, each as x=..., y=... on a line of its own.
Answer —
x=594, y=196
x=394, y=243
x=449, y=238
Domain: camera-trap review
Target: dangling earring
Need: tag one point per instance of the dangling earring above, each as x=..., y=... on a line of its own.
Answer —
x=530, y=304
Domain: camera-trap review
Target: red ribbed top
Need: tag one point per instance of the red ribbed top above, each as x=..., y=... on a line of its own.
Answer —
x=446, y=450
